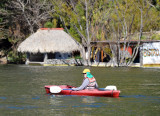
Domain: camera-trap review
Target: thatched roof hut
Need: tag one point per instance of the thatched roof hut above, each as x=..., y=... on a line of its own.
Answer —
x=49, y=46
x=47, y=40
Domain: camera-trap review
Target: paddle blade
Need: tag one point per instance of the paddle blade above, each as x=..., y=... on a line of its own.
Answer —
x=55, y=89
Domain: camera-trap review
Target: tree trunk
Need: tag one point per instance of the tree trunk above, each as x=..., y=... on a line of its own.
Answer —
x=115, y=55
x=89, y=55
x=83, y=53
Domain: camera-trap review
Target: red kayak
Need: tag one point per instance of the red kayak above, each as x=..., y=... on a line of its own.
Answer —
x=66, y=90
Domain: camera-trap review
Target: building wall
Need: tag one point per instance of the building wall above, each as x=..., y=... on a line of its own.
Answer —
x=151, y=54
x=36, y=57
x=59, y=55
x=52, y=59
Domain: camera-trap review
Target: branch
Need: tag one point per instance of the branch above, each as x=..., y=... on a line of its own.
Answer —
x=140, y=36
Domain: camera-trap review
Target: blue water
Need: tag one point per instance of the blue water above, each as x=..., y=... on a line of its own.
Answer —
x=22, y=92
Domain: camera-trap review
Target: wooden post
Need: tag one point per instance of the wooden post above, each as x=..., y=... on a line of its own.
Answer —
x=27, y=58
x=45, y=57
x=141, y=56
x=101, y=55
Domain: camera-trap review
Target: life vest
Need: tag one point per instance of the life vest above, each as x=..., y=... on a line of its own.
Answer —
x=92, y=82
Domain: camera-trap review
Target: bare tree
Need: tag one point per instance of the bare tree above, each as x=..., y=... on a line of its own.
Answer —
x=122, y=32
x=21, y=18
x=31, y=12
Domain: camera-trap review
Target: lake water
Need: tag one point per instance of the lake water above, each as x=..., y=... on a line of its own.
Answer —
x=22, y=91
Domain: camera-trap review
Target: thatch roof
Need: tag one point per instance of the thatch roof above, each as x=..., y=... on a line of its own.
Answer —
x=49, y=40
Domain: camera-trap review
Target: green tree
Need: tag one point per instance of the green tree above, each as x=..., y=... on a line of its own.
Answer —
x=20, y=18
x=84, y=19
x=4, y=14
x=127, y=18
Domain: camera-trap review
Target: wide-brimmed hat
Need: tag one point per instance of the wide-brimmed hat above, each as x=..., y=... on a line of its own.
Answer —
x=86, y=70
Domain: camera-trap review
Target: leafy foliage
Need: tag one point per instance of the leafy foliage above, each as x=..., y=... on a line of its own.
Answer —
x=85, y=20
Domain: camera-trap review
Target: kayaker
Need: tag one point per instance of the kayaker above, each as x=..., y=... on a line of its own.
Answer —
x=89, y=81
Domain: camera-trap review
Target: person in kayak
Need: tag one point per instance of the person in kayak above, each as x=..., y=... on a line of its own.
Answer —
x=89, y=81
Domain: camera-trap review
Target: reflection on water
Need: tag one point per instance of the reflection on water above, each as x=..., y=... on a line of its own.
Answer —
x=22, y=91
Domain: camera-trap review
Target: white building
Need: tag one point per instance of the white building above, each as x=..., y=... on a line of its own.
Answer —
x=150, y=54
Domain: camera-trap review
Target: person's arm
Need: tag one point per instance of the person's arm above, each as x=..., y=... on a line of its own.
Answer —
x=83, y=86
x=96, y=85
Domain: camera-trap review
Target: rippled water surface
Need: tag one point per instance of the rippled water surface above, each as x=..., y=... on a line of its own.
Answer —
x=22, y=92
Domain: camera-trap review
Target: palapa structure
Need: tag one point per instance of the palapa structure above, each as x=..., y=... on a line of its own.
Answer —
x=48, y=44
